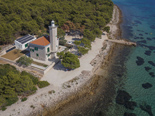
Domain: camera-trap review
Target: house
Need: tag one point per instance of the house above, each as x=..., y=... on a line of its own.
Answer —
x=45, y=48
x=22, y=43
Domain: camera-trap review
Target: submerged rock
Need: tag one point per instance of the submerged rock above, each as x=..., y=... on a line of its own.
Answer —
x=147, y=108
x=146, y=85
x=129, y=114
x=139, y=61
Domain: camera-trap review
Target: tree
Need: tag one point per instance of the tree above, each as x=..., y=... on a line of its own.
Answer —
x=24, y=60
x=107, y=29
x=60, y=54
x=82, y=50
x=89, y=35
x=61, y=33
x=86, y=42
x=70, y=61
x=77, y=42
x=97, y=32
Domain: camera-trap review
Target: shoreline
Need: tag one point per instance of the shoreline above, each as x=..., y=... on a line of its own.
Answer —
x=90, y=87
x=87, y=80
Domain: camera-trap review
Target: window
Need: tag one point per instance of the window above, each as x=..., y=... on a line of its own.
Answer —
x=48, y=49
x=32, y=50
x=36, y=48
x=26, y=45
x=37, y=54
x=48, y=55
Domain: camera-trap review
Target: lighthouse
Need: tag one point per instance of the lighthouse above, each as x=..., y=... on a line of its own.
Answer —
x=54, y=41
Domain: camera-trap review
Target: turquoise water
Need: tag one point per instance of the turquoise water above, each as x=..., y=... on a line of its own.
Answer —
x=139, y=26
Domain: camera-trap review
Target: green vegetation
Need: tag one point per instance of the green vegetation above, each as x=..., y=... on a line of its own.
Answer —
x=77, y=42
x=60, y=54
x=82, y=50
x=107, y=29
x=26, y=61
x=70, y=61
x=14, y=84
x=23, y=99
x=86, y=42
x=20, y=17
x=42, y=84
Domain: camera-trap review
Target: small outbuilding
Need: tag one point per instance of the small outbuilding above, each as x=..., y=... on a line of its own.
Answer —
x=22, y=43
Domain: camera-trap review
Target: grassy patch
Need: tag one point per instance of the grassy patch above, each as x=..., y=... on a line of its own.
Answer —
x=3, y=108
x=13, y=54
x=42, y=84
x=23, y=99
x=40, y=64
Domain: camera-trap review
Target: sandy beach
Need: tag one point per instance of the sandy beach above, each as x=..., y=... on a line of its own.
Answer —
x=64, y=84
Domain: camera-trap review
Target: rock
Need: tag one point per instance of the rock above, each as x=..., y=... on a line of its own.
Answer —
x=146, y=85
x=130, y=105
x=129, y=114
x=122, y=97
x=147, y=108
x=147, y=68
x=139, y=61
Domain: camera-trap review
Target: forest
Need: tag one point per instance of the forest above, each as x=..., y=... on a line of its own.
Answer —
x=14, y=84
x=20, y=17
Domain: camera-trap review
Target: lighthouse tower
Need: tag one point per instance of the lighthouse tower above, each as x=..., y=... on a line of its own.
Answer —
x=53, y=37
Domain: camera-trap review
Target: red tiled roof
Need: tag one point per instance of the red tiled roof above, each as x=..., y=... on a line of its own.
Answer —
x=41, y=41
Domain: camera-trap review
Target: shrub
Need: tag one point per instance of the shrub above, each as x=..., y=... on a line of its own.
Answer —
x=23, y=99
x=3, y=108
x=26, y=61
x=35, y=80
x=107, y=29
x=42, y=84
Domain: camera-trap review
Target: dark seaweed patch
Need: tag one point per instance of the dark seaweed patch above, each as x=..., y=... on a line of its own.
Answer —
x=148, y=52
x=141, y=38
x=146, y=85
x=137, y=22
x=140, y=34
x=150, y=47
x=148, y=38
x=152, y=74
x=143, y=41
x=147, y=108
x=146, y=33
x=152, y=63
x=129, y=114
x=139, y=61
x=123, y=98
x=147, y=68
x=152, y=26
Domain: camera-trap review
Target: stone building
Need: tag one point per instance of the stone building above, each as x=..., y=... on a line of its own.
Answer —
x=45, y=48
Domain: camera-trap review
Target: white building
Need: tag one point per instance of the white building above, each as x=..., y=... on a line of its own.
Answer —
x=22, y=43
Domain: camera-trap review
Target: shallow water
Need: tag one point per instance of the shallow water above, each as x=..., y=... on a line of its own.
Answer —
x=139, y=26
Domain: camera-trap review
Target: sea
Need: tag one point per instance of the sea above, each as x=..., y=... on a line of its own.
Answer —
x=138, y=79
